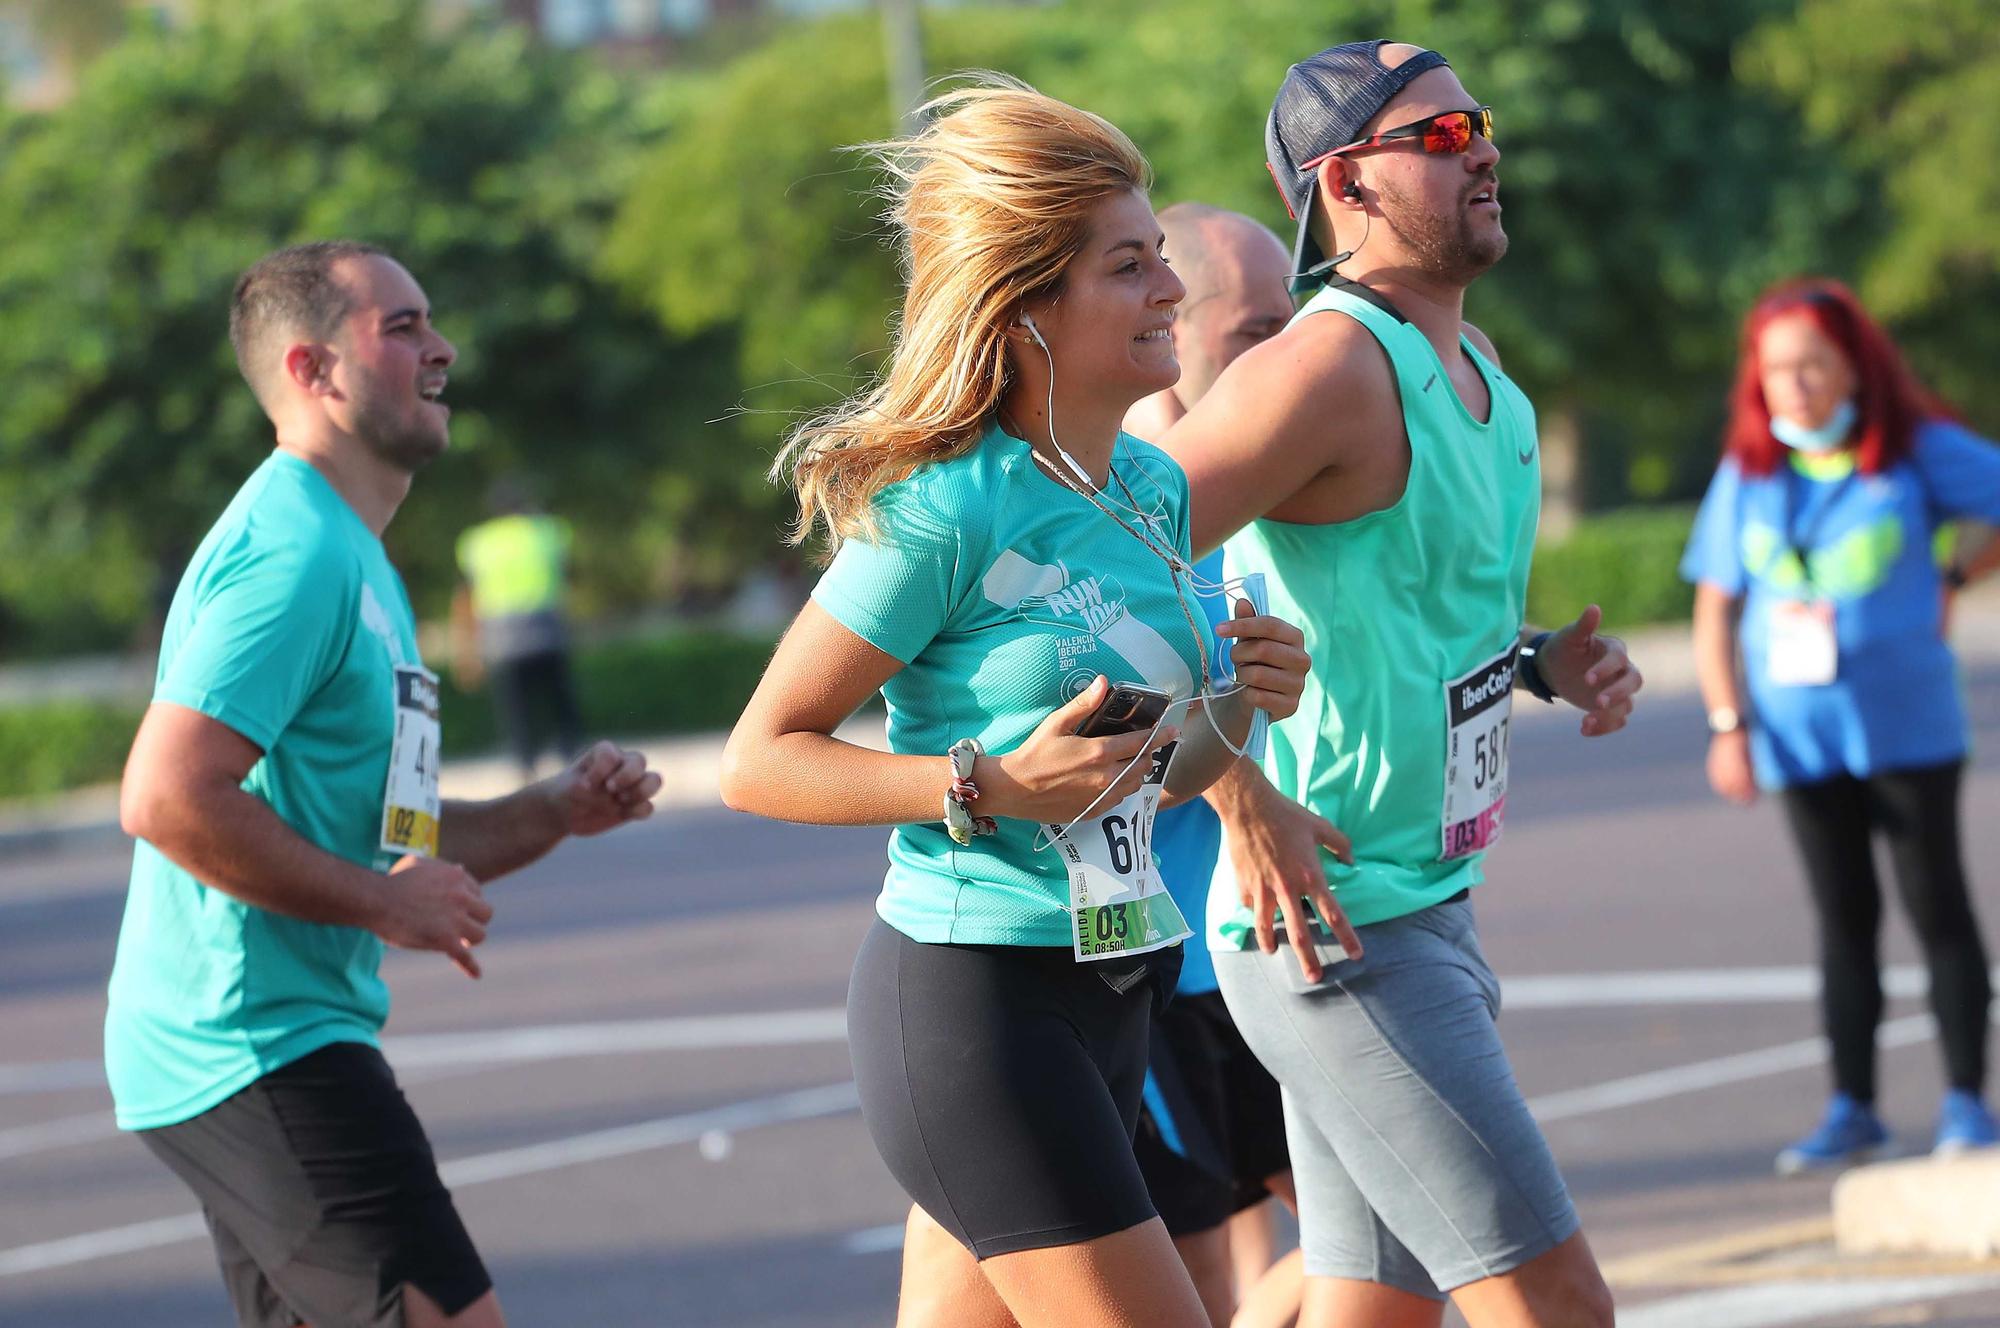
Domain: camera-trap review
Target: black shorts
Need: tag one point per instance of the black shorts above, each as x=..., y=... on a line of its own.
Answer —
x=1213, y=1128
x=1001, y=1084
x=323, y=1197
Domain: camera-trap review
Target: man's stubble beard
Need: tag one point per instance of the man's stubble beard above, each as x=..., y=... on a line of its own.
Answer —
x=402, y=442
x=1444, y=247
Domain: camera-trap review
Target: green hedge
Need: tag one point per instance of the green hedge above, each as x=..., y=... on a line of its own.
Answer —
x=1625, y=561
x=63, y=745
x=690, y=682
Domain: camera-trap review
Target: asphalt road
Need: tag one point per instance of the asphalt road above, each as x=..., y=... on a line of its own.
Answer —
x=645, y=1109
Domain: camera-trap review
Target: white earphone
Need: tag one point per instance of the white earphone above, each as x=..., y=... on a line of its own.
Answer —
x=1027, y=320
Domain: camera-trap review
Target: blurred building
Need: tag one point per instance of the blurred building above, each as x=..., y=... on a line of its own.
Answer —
x=43, y=43
x=646, y=23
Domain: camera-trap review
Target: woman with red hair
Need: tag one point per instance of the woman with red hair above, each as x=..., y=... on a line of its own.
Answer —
x=1812, y=555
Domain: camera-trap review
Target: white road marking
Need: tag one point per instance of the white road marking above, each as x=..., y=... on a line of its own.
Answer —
x=42, y=1136
x=600, y=1145
x=621, y=1038
x=875, y=1240
x=50, y=1076
x=505, y=1164
x=1693, y=986
x=1697, y=1075
x=548, y=1042
x=429, y=1055
x=1770, y=1304
x=101, y=1244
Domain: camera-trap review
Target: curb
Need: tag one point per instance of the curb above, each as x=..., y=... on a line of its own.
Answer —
x=1936, y=1207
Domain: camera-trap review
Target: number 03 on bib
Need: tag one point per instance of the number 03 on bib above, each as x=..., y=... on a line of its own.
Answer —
x=1119, y=903
x=1477, y=708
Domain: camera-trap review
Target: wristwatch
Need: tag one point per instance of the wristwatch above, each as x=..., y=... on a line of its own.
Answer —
x=1724, y=719
x=1528, y=668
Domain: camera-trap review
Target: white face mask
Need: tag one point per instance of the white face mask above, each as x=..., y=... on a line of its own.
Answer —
x=1823, y=439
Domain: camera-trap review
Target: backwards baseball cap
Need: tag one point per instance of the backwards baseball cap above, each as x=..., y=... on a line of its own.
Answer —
x=1320, y=106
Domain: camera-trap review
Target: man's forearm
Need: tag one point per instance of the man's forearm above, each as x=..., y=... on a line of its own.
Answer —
x=234, y=842
x=1240, y=792
x=1204, y=755
x=500, y=835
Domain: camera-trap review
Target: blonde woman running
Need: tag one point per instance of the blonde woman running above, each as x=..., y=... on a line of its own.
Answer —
x=1010, y=566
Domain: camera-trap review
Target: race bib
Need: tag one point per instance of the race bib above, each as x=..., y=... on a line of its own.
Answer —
x=1117, y=900
x=1805, y=651
x=410, y=804
x=1477, y=708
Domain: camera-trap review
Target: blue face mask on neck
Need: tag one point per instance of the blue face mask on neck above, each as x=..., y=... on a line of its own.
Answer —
x=1823, y=439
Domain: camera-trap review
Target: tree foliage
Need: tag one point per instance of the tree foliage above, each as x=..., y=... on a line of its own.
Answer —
x=490, y=166
x=1649, y=193
x=651, y=276
x=1904, y=90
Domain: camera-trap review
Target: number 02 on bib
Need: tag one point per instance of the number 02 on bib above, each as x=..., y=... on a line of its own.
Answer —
x=1477, y=708
x=410, y=803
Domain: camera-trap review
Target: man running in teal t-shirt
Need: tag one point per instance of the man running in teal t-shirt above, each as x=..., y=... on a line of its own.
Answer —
x=283, y=790
x=1376, y=464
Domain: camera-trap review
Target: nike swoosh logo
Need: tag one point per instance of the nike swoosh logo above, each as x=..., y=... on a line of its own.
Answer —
x=1427, y=386
x=1525, y=457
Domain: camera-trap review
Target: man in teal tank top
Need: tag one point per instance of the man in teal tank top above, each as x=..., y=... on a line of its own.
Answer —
x=1378, y=466
x=283, y=792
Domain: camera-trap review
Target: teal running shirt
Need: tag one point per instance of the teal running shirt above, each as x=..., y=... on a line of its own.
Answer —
x=1412, y=615
x=286, y=627
x=1004, y=594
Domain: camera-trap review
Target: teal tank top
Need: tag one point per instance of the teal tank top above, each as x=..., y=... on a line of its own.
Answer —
x=1412, y=615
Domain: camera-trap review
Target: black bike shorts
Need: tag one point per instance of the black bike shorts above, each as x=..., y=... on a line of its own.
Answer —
x=1002, y=1083
x=1213, y=1128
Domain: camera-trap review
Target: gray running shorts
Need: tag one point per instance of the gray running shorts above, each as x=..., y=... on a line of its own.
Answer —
x=1417, y=1164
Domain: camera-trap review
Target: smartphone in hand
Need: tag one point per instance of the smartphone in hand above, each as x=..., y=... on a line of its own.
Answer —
x=1126, y=708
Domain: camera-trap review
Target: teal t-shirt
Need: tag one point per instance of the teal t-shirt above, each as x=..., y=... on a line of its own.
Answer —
x=1004, y=594
x=286, y=627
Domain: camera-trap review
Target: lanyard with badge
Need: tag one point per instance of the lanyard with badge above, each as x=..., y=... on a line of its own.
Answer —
x=1805, y=644
x=1118, y=902
x=410, y=803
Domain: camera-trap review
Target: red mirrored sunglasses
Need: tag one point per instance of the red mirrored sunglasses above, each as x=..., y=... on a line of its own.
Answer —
x=1451, y=131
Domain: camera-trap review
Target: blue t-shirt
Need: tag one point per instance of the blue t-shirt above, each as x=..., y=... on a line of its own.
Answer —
x=1004, y=593
x=1894, y=703
x=287, y=627
x=1188, y=838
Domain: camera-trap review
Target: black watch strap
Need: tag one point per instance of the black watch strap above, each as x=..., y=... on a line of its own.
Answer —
x=1528, y=668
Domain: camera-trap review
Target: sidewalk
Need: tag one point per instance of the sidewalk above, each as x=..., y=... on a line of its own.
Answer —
x=690, y=764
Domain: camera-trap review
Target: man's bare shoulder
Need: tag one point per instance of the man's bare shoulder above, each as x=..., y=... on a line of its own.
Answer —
x=1320, y=373
x=1482, y=342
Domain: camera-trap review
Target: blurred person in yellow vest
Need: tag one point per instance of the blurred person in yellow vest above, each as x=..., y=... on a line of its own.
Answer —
x=510, y=626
